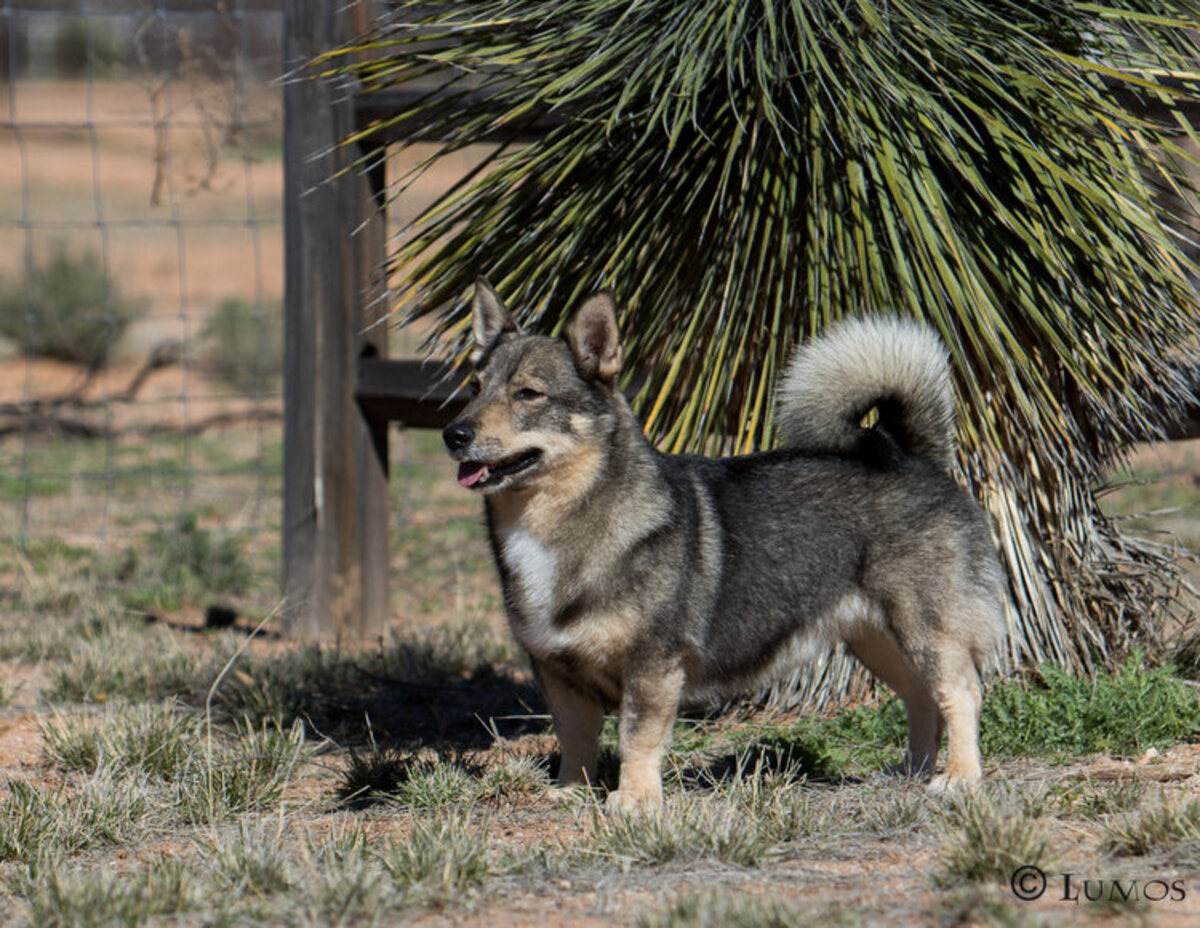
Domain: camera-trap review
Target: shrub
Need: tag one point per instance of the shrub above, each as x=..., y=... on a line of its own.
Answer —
x=67, y=308
x=244, y=346
x=80, y=45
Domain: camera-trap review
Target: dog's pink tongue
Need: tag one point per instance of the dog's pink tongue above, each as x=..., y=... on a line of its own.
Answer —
x=470, y=473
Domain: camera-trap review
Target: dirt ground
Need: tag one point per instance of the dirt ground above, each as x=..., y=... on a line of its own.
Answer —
x=847, y=875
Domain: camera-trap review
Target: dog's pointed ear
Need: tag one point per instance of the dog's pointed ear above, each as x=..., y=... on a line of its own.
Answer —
x=594, y=339
x=490, y=319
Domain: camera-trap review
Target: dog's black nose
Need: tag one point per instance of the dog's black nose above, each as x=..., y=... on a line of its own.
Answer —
x=457, y=435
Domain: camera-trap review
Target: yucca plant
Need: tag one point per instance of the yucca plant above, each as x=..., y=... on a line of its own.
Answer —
x=743, y=173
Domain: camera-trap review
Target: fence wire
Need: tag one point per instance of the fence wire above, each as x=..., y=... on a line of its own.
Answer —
x=141, y=330
x=141, y=271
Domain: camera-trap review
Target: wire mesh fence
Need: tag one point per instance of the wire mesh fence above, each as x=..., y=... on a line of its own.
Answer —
x=141, y=260
x=141, y=332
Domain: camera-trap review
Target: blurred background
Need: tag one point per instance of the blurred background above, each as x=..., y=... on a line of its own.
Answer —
x=141, y=323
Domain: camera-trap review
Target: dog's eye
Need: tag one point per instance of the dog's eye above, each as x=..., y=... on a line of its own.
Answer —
x=475, y=387
x=525, y=393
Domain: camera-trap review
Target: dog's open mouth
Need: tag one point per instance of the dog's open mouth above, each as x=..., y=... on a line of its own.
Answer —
x=481, y=474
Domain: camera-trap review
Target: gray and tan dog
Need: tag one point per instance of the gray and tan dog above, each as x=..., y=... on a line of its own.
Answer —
x=636, y=579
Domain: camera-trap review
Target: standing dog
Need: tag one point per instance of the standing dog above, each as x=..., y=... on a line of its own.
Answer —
x=637, y=579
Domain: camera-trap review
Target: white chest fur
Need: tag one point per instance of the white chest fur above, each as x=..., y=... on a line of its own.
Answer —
x=533, y=569
x=535, y=578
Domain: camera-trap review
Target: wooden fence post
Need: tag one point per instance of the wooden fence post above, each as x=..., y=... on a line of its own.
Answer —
x=335, y=506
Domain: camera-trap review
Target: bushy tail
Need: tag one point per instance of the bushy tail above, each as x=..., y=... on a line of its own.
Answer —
x=893, y=365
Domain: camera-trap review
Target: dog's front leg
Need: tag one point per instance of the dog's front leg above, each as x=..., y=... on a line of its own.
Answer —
x=649, y=704
x=577, y=721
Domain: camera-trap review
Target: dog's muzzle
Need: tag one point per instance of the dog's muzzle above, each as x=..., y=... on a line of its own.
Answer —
x=484, y=473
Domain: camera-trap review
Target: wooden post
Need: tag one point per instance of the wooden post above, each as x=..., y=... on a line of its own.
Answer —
x=335, y=506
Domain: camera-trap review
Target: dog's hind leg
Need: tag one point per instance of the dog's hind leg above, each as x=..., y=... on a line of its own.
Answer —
x=577, y=721
x=878, y=650
x=960, y=698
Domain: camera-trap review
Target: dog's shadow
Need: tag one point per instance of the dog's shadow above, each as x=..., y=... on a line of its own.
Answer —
x=469, y=713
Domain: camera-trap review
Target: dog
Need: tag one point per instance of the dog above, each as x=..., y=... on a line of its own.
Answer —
x=636, y=579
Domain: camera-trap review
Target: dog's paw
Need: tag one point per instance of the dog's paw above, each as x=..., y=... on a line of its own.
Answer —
x=627, y=802
x=944, y=784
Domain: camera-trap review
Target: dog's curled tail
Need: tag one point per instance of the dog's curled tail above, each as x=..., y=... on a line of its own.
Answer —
x=895, y=366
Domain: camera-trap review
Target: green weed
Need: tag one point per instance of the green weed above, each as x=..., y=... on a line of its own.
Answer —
x=1124, y=712
x=180, y=565
x=861, y=740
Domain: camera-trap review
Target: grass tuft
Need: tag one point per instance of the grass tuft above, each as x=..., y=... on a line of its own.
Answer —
x=514, y=777
x=988, y=836
x=114, y=653
x=35, y=822
x=155, y=739
x=252, y=862
x=244, y=773
x=441, y=861
x=100, y=898
x=682, y=829
x=1167, y=827
x=711, y=910
x=344, y=881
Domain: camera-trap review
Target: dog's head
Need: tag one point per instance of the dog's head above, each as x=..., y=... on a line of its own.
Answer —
x=542, y=406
